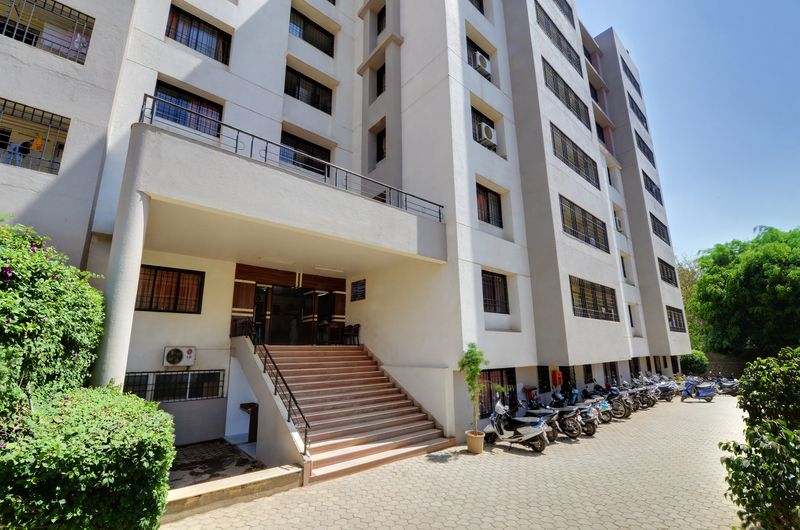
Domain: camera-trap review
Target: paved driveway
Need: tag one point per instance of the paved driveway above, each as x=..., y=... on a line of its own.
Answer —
x=659, y=469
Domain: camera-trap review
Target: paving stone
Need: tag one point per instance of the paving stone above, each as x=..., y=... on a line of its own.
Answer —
x=658, y=469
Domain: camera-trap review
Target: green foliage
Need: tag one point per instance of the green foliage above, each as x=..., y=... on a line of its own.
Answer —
x=471, y=365
x=763, y=476
x=688, y=274
x=748, y=293
x=51, y=319
x=696, y=363
x=89, y=458
x=769, y=389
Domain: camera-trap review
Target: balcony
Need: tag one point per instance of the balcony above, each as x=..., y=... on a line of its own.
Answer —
x=173, y=117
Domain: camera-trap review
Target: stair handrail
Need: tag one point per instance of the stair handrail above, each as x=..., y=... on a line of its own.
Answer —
x=290, y=402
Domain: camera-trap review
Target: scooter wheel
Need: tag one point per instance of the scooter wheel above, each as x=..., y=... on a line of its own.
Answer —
x=552, y=436
x=589, y=429
x=669, y=398
x=538, y=444
x=709, y=398
x=605, y=416
x=683, y=398
x=490, y=438
x=571, y=428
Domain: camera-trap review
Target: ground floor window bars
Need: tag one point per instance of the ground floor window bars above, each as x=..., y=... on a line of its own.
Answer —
x=491, y=382
x=176, y=386
x=31, y=138
x=47, y=25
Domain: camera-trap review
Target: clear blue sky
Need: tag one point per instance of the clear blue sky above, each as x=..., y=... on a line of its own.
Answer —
x=721, y=80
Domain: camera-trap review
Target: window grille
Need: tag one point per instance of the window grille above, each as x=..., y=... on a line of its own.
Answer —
x=170, y=290
x=565, y=94
x=191, y=385
x=489, y=207
x=568, y=152
x=565, y=8
x=592, y=300
x=308, y=90
x=668, y=273
x=675, y=319
x=471, y=49
x=197, y=106
x=304, y=28
x=660, y=229
x=48, y=25
x=645, y=149
x=495, y=292
x=630, y=76
x=198, y=35
x=638, y=112
x=298, y=148
x=477, y=119
x=557, y=38
x=652, y=188
x=490, y=381
x=31, y=138
x=579, y=223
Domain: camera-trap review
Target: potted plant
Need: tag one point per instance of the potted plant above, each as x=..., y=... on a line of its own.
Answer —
x=471, y=364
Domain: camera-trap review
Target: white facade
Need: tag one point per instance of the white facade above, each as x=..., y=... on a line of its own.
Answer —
x=164, y=193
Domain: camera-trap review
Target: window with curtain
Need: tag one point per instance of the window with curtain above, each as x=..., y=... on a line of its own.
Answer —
x=170, y=290
x=491, y=381
x=188, y=110
x=304, y=28
x=489, y=209
x=198, y=35
x=308, y=90
x=495, y=292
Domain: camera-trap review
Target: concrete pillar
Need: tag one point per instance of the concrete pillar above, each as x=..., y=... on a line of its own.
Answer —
x=680, y=370
x=122, y=281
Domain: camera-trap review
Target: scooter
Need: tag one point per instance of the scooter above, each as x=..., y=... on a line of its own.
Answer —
x=698, y=389
x=503, y=427
x=586, y=415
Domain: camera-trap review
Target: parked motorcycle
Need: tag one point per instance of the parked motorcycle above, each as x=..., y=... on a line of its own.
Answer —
x=698, y=389
x=727, y=386
x=587, y=416
x=503, y=427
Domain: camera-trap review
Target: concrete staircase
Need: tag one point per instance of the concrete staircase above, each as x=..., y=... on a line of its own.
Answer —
x=359, y=419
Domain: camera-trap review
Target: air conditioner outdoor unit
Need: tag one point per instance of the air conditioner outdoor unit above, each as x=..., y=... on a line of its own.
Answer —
x=487, y=136
x=482, y=64
x=179, y=355
x=619, y=224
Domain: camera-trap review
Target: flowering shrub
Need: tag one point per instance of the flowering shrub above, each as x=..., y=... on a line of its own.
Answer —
x=51, y=319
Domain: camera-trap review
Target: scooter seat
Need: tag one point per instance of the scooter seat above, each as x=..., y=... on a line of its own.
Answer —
x=705, y=386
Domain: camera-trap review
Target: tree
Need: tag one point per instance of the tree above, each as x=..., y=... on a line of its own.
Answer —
x=471, y=365
x=688, y=274
x=696, y=363
x=748, y=293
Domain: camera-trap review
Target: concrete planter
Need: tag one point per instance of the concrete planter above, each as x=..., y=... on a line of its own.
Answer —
x=475, y=442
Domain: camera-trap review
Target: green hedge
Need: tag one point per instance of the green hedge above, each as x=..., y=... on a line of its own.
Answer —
x=51, y=319
x=88, y=458
x=696, y=363
x=769, y=389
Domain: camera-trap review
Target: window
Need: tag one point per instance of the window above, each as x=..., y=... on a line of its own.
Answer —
x=198, y=35
x=622, y=263
x=48, y=25
x=565, y=8
x=630, y=76
x=592, y=300
x=675, y=319
x=630, y=315
x=601, y=133
x=495, y=292
x=636, y=110
x=674, y=359
x=478, y=4
x=472, y=49
x=304, y=28
x=170, y=290
x=31, y=138
x=380, y=21
x=587, y=374
x=594, y=93
x=558, y=38
x=652, y=188
x=579, y=223
x=380, y=145
x=568, y=152
x=307, y=90
x=660, y=229
x=610, y=372
x=564, y=93
x=489, y=209
x=358, y=290
x=188, y=110
x=479, y=118
x=668, y=273
x=543, y=375
x=634, y=366
x=489, y=381
x=298, y=147
x=380, y=80
x=645, y=149
x=568, y=375
x=176, y=386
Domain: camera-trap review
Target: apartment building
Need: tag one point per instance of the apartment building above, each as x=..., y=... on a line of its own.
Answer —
x=260, y=182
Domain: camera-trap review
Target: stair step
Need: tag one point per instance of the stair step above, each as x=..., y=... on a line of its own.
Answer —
x=341, y=396
x=338, y=383
x=361, y=438
x=331, y=376
x=315, y=353
x=328, y=363
x=373, y=460
x=355, y=411
x=329, y=433
x=370, y=448
x=337, y=403
x=298, y=372
x=358, y=418
x=338, y=390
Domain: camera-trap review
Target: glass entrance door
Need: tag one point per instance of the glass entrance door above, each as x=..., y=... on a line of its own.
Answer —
x=286, y=316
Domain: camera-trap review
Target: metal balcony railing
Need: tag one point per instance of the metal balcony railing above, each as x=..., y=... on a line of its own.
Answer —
x=183, y=120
